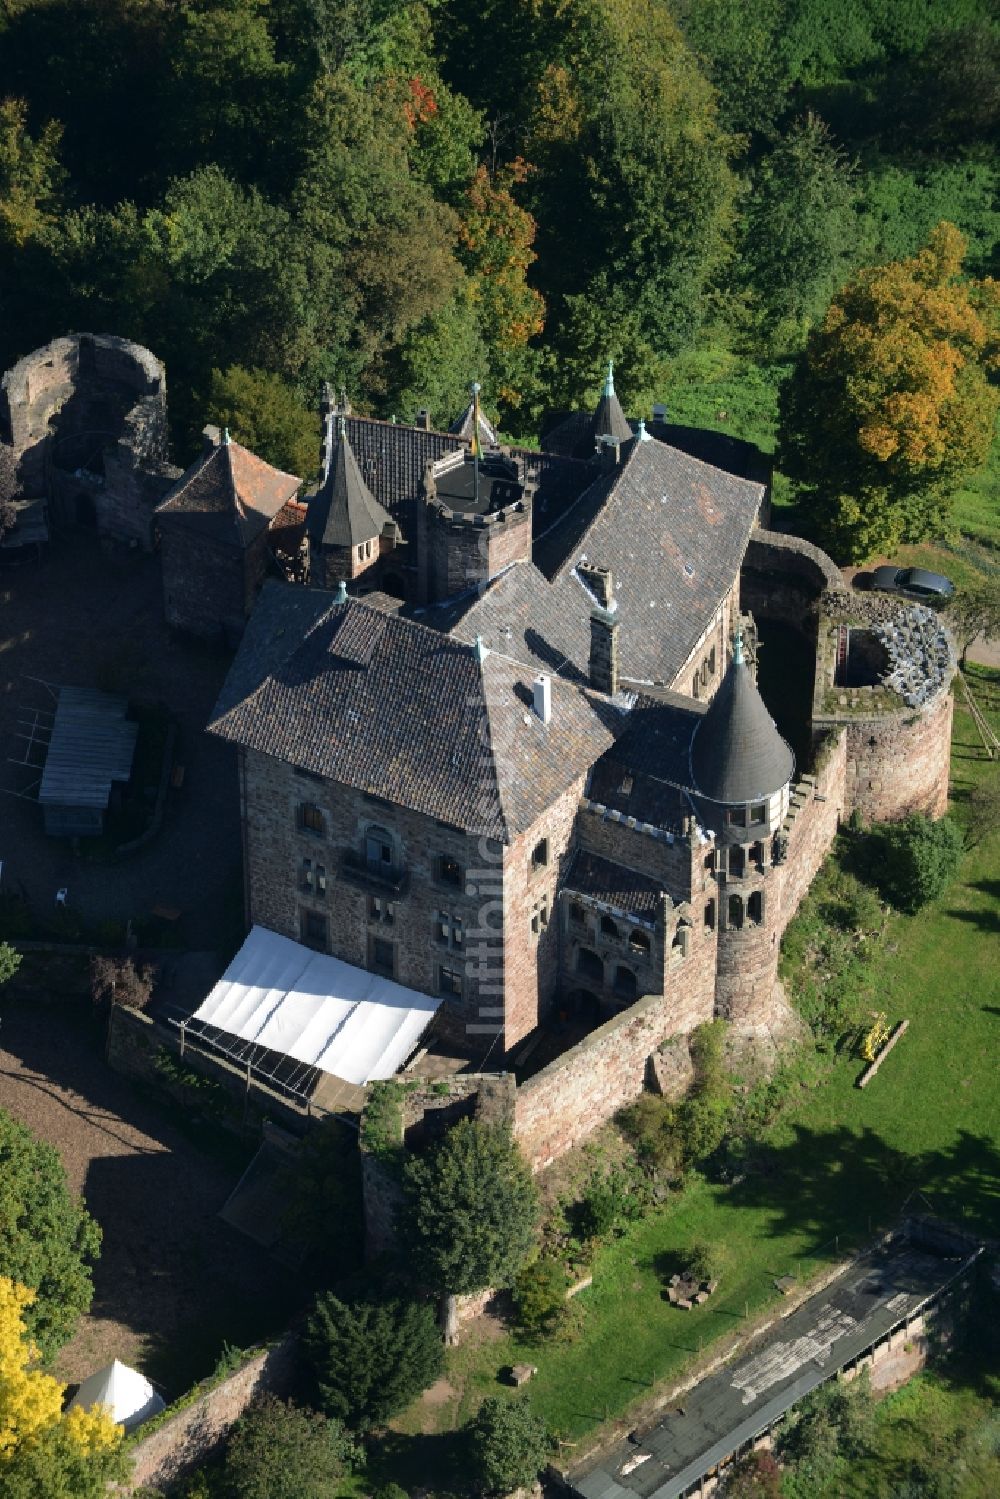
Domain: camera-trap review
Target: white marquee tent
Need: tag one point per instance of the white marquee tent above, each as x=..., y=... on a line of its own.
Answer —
x=322, y=1012
x=128, y=1395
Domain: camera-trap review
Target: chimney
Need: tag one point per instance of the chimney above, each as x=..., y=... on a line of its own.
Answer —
x=600, y=583
x=604, y=649
x=424, y=419
x=542, y=687
x=659, y=412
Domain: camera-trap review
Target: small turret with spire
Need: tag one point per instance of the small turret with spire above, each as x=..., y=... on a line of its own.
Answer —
x=610, y=421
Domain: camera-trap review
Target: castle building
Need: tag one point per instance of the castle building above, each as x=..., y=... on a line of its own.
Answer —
x=348, y=530
x=216, y=536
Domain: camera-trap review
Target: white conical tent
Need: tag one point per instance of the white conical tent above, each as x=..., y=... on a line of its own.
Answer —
x=128, y=1395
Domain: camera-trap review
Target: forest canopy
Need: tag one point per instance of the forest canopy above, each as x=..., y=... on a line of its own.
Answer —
x=402, y=195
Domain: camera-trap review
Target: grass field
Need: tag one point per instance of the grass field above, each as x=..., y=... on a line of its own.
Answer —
x=837, y=1165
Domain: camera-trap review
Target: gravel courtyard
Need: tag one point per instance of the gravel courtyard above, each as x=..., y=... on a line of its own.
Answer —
x=173, y=1281
x=82, y=618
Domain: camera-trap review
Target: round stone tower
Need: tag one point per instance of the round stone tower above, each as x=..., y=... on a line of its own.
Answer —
x=742, y=770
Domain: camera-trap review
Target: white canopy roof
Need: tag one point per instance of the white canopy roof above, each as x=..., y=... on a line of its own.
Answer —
x=128, y=1395
x=321, y=1011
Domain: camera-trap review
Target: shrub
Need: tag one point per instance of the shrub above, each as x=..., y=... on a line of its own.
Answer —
x=280, y=1451
x=918, y=859
x=755, y=1477
x=651, y=1125
x=10, y=961
x=508, y=1444
x=390, y=1491
x=540, y=1296
x=370, y=1359
x=703, y=1261
x=608, y=1203
x=118, y=981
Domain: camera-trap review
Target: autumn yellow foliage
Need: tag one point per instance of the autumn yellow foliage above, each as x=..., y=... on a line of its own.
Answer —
x=892, y=404
x=31, y=1400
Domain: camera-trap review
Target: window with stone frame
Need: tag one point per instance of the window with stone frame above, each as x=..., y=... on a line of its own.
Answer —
x=737, y=862
x=314, y=929
x=710, y=916
x=381, y=910
x=755, y=908
x=448, y=871
x=382, y=956
x=310, y=819
x=450, y=982
x=540, y=916
x=448, y=931
x=758, y=814
x=577, y=914
x=540, y=855
x=609, y=928
x=735, y=912
x=306, y=881
x=737, y=817
x=380, y=853
x=682, y=937
x=757, y=855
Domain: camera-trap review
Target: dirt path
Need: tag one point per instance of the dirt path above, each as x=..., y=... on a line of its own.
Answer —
x=173, y=1281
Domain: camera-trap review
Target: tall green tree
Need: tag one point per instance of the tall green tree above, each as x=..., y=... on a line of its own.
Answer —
x=471, y=1212
x=265, y=414
x=891, y=403
x=277, y=1450
x=508, y=1445
x=371, y=1358
x=31, y=175
x=47, y=1239
x=799, y=230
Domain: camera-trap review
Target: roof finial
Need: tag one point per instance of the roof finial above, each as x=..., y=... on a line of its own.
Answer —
x=225, y=437
x=340, y=597
x=609, y=382
x=481, y=649
x=738, y=647
x=642, y=434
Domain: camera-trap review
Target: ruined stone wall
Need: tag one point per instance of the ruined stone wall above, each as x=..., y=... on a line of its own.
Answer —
x=586, y=1086
x=86, y=417
x=783, y=578
x=531, y=959
x=203, y=582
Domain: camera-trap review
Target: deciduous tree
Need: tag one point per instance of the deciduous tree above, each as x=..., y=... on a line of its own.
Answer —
x=509, y=1444
x=891, y=404
x=975, y=611
x=266, y=415
x=47, y=1239
x=31, y=175
x=38, y=1445
x=278, y=1450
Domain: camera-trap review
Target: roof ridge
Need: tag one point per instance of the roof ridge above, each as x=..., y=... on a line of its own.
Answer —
x=616, y=480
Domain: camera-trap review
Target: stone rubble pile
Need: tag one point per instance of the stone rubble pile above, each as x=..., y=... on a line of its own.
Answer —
x=919, y=651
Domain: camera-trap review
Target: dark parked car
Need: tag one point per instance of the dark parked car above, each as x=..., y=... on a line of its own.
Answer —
x=932, y=588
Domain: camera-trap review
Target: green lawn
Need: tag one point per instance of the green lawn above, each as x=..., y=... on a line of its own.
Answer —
x=839, y=1163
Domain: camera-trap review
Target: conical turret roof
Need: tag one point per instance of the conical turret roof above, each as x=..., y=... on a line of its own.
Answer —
x=609, y=418
x=343, y=512
x=737, y=754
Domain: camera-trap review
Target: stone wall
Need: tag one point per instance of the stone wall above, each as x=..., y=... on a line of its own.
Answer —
x=783, y=578
x=205, y=584
x=530, y=957
x=676, y=860
x=900, y=764
x=86, y=416
x=811, y=826
x=586, y=1086
x=459, y=551
x=186, y=1439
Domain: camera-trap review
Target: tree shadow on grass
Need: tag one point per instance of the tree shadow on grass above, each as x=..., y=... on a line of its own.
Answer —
x=826, y=1183
x=435, y=1460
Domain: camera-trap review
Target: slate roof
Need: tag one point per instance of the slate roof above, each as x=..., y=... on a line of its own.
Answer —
x=343, y=511
x=228, y=494
x=674, y=532
x=737, y=754
x=392, y=458
x=646, y=773
x=609, y=418
x=614, y=885
x=524, y=615
x=390, y=707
